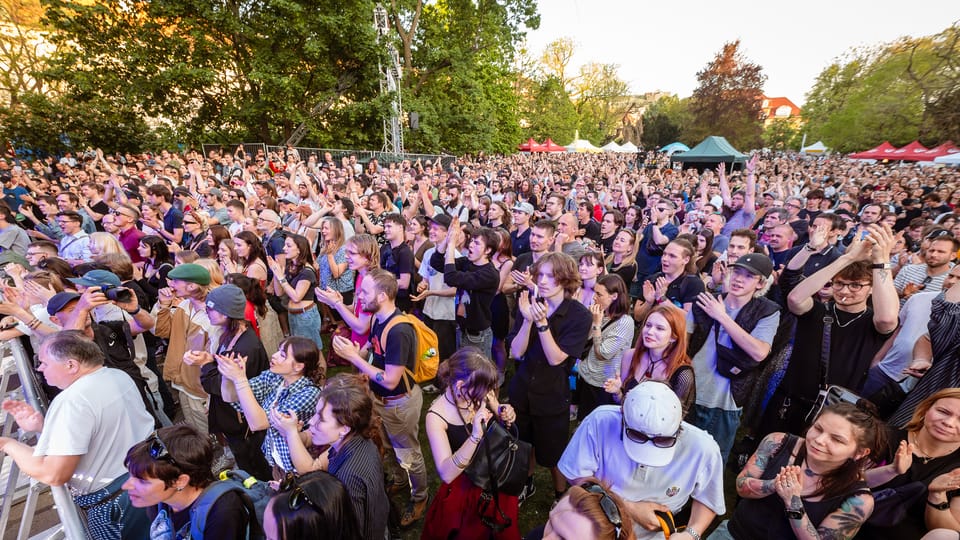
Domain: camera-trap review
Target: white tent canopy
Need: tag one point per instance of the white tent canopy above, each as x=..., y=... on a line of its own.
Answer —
x=611, y=147
x=629, y=147
x=949, y=159
x=815, y=148
x=583, y=145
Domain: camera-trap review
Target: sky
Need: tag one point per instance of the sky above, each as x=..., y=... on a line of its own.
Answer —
x=661, y=45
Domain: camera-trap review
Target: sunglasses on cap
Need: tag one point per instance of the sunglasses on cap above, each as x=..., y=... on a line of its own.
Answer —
x=660, y=441
x=938, y=234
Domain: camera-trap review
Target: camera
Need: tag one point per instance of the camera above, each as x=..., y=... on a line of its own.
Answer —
x=116, y=294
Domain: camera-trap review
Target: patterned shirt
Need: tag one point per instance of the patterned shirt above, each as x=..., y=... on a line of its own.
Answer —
x=300, y=397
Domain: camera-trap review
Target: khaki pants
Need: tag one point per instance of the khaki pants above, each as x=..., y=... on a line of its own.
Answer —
x=194, y=411
x=401, y=421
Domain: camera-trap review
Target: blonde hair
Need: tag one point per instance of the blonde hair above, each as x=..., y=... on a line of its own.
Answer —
x=103, y=243
x=367, y=247
x=216, y=274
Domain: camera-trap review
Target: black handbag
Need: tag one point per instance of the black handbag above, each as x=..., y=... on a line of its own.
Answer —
x=501, y=466
x=890, y=505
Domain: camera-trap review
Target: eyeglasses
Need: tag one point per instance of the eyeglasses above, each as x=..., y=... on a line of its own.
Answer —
x=607, y=504
x=159, y=451
x=298, y=496
x=854, y=286
x=660, y=441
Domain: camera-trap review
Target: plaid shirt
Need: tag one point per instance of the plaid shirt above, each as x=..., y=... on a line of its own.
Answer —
x=300, y=397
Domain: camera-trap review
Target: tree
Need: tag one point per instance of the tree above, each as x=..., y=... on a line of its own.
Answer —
x=549, y=112
x=225, y=70
x=555, y=60
x=458, y=74
x=781, y=134
x=664, y=121
x=727, y=100
x=23, y=50
x=598, y=94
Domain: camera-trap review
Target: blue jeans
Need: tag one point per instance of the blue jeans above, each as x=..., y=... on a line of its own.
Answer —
x=719, y=423
x=482, y=341
x=306, y=324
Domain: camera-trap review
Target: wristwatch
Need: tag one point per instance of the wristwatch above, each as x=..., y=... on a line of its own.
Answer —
x=795, y=514
x=881, y=266
x=543, y=328
x=808, y=247
x=945, y=505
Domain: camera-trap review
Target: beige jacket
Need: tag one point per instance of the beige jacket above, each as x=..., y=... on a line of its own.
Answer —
x=186, y=330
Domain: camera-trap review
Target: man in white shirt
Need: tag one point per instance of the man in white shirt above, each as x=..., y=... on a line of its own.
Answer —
x=85, y=435
x=646, y=454
x=75, y=245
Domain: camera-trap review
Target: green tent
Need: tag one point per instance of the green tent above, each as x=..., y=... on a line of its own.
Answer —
x=712, y=151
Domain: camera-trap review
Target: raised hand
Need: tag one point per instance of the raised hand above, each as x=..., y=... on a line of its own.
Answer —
x=28, y=418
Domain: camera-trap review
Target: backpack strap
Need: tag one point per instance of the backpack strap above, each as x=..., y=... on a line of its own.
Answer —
x=395, y=320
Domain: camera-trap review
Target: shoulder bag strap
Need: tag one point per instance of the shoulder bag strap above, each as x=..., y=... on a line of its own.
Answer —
x=825, y=349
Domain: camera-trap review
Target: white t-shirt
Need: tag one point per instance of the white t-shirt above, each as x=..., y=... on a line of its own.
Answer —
x=696, y=470
x=99, y=417
x=438, y=308
x=914, y=316
x=713, y=389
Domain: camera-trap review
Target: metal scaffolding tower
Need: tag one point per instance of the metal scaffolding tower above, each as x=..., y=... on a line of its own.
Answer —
x=390, y=84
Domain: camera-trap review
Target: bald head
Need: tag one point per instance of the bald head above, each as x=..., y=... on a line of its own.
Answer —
x=567, y=224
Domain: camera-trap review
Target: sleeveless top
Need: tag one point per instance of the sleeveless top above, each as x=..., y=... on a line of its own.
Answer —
x=765, y=518
x=683, y=384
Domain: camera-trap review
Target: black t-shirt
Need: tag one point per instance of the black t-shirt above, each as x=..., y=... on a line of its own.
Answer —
x=913, y=525
x=538, y=388
x=222, y=417
x=401, y=352
x=305, y=274
x=852, y=348
x=682, y=290
x=520, y=243
x=592, y=231
x=398, y=260
x=227, y=519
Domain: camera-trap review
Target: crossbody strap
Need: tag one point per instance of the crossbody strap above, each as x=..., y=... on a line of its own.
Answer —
x=825, y=349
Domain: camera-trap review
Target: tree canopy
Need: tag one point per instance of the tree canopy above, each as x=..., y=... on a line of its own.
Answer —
x=902, y=91
x=727, y=100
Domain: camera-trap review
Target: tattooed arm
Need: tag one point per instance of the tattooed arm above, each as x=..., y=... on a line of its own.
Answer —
x=841, y=524
x=749, y=484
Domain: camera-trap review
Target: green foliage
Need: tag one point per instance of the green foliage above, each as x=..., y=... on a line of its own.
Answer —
x=223, y=69
x=56, y=124
x=457, y=73
x=782, y=134
x=549, y=112
x=727, y=100
x=899, y=92
x=665, y=121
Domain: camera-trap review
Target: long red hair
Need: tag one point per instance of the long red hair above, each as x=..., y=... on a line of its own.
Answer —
x=676, y=353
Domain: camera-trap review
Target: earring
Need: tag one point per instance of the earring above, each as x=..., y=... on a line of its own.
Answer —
x=180, y=488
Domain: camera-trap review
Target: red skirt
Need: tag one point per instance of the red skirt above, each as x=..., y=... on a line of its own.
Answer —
x=455, y=513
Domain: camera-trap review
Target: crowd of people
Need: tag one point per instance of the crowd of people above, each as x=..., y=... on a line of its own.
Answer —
x=642, y=329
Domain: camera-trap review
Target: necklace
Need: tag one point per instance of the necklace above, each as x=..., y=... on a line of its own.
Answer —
x=467, y=408
x=808, y=472
x=648, y=374
x=851, y=321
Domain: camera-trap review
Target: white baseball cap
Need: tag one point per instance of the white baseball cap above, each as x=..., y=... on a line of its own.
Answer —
x=651, y=416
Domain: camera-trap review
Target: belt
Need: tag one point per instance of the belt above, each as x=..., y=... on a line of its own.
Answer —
x=388, y=399
x=297, y=311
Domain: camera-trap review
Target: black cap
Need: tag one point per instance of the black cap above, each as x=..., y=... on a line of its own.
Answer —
x=442, y=220
x=757, y=264
x=58, y=301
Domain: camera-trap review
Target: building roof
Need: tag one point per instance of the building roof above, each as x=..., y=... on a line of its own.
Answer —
x=779, y=107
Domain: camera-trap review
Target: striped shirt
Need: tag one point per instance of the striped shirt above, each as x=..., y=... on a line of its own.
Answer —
x=300, y=397
x=358, y=467
x=917, y=274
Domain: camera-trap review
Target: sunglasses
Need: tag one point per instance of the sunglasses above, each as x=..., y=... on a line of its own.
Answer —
x=158, y=450
x=938, y=234
x=607, y=504
x=297, y=496
x=660, y=441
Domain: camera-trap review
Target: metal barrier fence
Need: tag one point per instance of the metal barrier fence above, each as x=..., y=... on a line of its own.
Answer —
x=71, y=525
x=362, y=155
